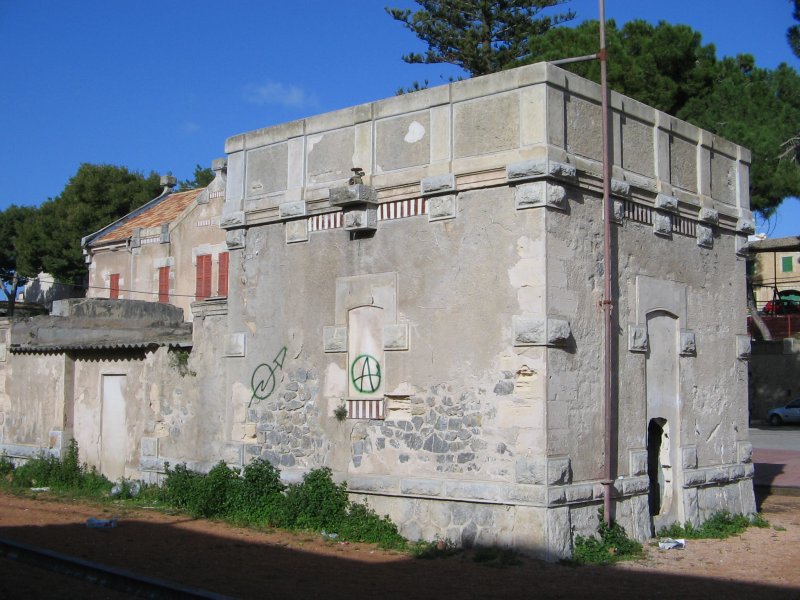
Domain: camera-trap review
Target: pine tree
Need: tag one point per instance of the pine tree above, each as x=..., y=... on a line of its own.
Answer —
x=479, y=36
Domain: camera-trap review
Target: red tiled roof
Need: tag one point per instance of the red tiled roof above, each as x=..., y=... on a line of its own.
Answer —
x=165, y=211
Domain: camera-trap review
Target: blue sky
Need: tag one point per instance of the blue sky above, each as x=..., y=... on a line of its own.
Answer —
x=159, y=85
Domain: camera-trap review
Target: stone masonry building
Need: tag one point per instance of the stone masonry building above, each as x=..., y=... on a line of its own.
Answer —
x=414, y=302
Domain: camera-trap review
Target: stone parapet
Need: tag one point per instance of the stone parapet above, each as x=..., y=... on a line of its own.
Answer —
x=517, y=126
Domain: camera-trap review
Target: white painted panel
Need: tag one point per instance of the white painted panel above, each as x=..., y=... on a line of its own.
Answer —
x=112, y=430
x=365, y=352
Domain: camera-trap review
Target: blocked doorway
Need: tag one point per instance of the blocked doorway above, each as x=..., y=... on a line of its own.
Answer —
x=113, y=433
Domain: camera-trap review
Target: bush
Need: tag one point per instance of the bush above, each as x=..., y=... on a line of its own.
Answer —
x=721, y=525
x=65, y=474
x=612, y=545
x=6, y=466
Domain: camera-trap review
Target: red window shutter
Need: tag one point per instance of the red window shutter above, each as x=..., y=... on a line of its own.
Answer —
x=203, y=279
x=163, y=284
x=114, y=285
x=222, y=280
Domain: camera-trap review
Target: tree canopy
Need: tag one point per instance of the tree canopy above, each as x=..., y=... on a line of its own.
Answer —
x=201, y=178
x=668, y=67
x=480, y=36
x=95, y=196
x=793, y=33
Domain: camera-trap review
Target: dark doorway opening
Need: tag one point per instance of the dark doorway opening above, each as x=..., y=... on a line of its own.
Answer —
x=655, y=436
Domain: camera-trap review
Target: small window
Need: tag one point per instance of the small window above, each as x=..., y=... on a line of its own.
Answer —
x=222, y=277
x=203, y=277
x=163, y=284
x=786, y=264
x=114, y=286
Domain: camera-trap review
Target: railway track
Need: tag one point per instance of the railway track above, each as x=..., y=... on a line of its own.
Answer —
x=112, y=578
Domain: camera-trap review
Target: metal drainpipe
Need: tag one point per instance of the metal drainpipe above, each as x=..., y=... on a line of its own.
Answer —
x=608, y=290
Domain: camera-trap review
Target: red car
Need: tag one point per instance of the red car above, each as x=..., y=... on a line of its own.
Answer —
x=787, y=302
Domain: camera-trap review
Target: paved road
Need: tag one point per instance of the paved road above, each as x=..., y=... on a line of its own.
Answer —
x=785, y=437
x=776, y=455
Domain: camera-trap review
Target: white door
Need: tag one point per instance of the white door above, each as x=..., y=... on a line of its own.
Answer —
x=112, y=430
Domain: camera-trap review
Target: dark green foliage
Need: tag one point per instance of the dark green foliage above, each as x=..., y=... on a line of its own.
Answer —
x=64, y=474
x=13, y=220
x=257, y=497
x=94, y=197
x=793, y=33
x=202, y=177
x=6, y=466
x=479, y=36
x=438, y=548
x=721, y=525
x=611, y=545
x=668, y=67
x=318, y=503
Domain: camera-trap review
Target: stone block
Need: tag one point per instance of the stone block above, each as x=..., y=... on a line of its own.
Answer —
x=559, y=471
x=233, y=219
x=352, y=194
x=149, y=446
x=637, y=338
x=737, y=472
x=334, y=338
x=579, y=493
x=688, y=347
x=235, y=238
x=3, y=351
x=442, y=207
x=236, y=344
x=746, y=226
x=637, y=462
x=618, y=215
x=556, y=495
x=395, y=336
x=290, y=210
x=437, y=184
x=717, y=475
x=662, y=224
x=372, y=483
x=540, y=193
x=744, y=452
x=708, y=216
x=743, y=347
x=473, y=490
x=529, y=494
x=233, y=454
x=530, y=471
x=635, y=485
x=620, y=187
x=540, y=331
x=296, y=231
x=694, y=478
x=361, y=219
x=705, y=236
x=665, y=202
x=533, y=169
x=689, y=457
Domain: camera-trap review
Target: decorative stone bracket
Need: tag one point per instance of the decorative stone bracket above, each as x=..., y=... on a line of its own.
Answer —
x=637, y=338
x=359, y=203
x=743, y=347
x=537, y=169
x=395, y=337
x=437, y=184
x=540, y=331
x=540, y=193
x=688, y=346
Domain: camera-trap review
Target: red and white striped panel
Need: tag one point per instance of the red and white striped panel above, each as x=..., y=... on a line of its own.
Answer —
x=402, y=209
x=204, y=223
x=326, y=221
x=150, y=240
x=217, y=194
x=365, y=409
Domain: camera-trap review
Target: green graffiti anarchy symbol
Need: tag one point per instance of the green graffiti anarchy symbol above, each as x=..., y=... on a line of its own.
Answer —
x=366, y=373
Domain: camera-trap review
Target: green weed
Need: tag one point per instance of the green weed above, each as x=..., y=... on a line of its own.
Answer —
x=65, y=474
x=721, y=525
x=611, y=545
x=6, y=466
x=439, y=548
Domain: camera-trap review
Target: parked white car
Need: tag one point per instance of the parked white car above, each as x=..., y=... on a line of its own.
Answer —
x=785, y=414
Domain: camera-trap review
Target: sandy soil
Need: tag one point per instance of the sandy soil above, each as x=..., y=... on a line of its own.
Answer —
x=762, y=563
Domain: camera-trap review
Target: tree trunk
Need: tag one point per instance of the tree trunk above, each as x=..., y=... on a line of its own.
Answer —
x=759, y=322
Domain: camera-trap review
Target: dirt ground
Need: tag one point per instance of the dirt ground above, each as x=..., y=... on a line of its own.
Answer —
x=762, y=563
